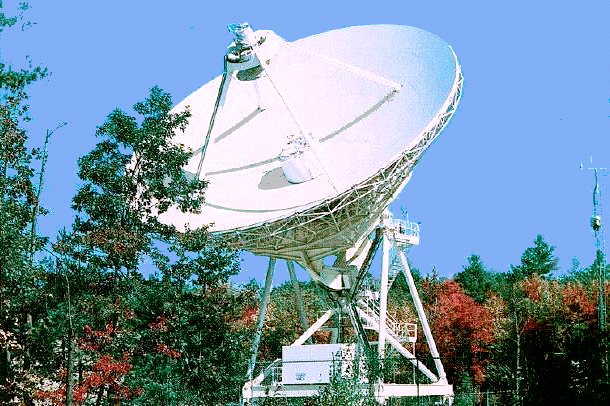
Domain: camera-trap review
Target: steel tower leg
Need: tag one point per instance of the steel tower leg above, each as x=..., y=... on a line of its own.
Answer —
x=383, y=300
x=442, y=377
x=350, y=308
x=262, y=313
x=299, y=297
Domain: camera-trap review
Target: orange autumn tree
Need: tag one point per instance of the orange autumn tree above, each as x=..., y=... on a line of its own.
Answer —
x=463, y=331
x=105, y=379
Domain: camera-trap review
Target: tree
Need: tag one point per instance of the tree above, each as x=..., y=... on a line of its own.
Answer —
x=591, y=274
x=178, y=341
x=475, y=279
x=540, y=355
x=538, y=259
x=106, y=374
x=463, y=331
x=347, y=385
x=177, y=324
x=205, y=326
x=19, y=273
x=17, y=192
x=132, y=175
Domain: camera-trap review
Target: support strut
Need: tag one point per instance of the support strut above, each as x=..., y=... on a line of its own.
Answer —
x=262, y=313
x=422, y=317
x=299, y=296
x=383, y=299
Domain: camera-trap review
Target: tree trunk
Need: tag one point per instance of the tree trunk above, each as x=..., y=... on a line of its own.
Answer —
x=27, y=362
x=100, y=395
x=3, y=180
x=518, y=372
x=5, y=365
x=69, y=369
x=70, y=366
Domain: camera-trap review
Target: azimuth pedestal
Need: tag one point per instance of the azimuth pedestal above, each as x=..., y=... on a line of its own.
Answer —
x=305, y=369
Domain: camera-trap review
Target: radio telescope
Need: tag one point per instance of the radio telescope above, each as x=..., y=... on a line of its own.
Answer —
x=305, y=144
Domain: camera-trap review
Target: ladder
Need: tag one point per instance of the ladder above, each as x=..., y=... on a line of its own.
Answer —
x=401, y=331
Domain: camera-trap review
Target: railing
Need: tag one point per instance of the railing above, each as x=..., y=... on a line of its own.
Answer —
x=270, y=373
x=400, y=330
x=396, y=369
x=405, y=227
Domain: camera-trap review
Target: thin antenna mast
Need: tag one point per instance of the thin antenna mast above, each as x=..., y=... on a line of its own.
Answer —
x=596, y=224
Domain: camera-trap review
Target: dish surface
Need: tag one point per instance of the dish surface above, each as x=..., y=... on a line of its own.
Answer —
x=365, y=94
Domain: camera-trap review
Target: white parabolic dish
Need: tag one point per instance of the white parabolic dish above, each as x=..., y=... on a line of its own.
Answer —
x=371, y=99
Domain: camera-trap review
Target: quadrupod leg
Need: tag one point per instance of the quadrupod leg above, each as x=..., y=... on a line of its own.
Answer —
x=379, y=321
x=442, y=377
x=299, y=297
x=262, y=313
x=383, y=299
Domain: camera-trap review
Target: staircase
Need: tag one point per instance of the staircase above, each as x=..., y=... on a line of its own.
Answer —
x=395, y=268
x=401, y=331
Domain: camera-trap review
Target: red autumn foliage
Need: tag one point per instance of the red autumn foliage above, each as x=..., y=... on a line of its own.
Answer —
x=93, y=340
x=159, y=325
x=532, y=287
x=463, y=329
x=105, y=371
x=579, y=306
x=164, y=349
x=107, y=367
x=249, y=315
x=532, y=327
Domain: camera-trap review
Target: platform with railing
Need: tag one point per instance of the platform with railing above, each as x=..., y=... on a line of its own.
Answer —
x=397, y=377
x=404, y=232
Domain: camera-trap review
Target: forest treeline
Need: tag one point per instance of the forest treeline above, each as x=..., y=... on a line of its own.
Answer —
x=80, y=325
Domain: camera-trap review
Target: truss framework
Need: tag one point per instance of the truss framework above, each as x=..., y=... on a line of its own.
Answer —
x=269, y=383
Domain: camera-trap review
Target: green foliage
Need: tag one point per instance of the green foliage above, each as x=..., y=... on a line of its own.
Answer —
x=202, y=326
x=466, y=389
x=577, y=273
x=349, y=385
x=591, y=274
x=19, y=274
x=475, y=279
x=132, y=175
x=183, y=341
x=176, y=327
x=344, y=391
x=17, y=192
x=538, y=259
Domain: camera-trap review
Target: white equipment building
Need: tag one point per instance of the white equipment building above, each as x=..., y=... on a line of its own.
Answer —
x=305, y=144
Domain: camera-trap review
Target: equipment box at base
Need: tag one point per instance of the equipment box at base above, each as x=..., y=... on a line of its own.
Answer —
x=313, y=364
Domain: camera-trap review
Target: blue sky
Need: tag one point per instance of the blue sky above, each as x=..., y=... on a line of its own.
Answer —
x=536, y=104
